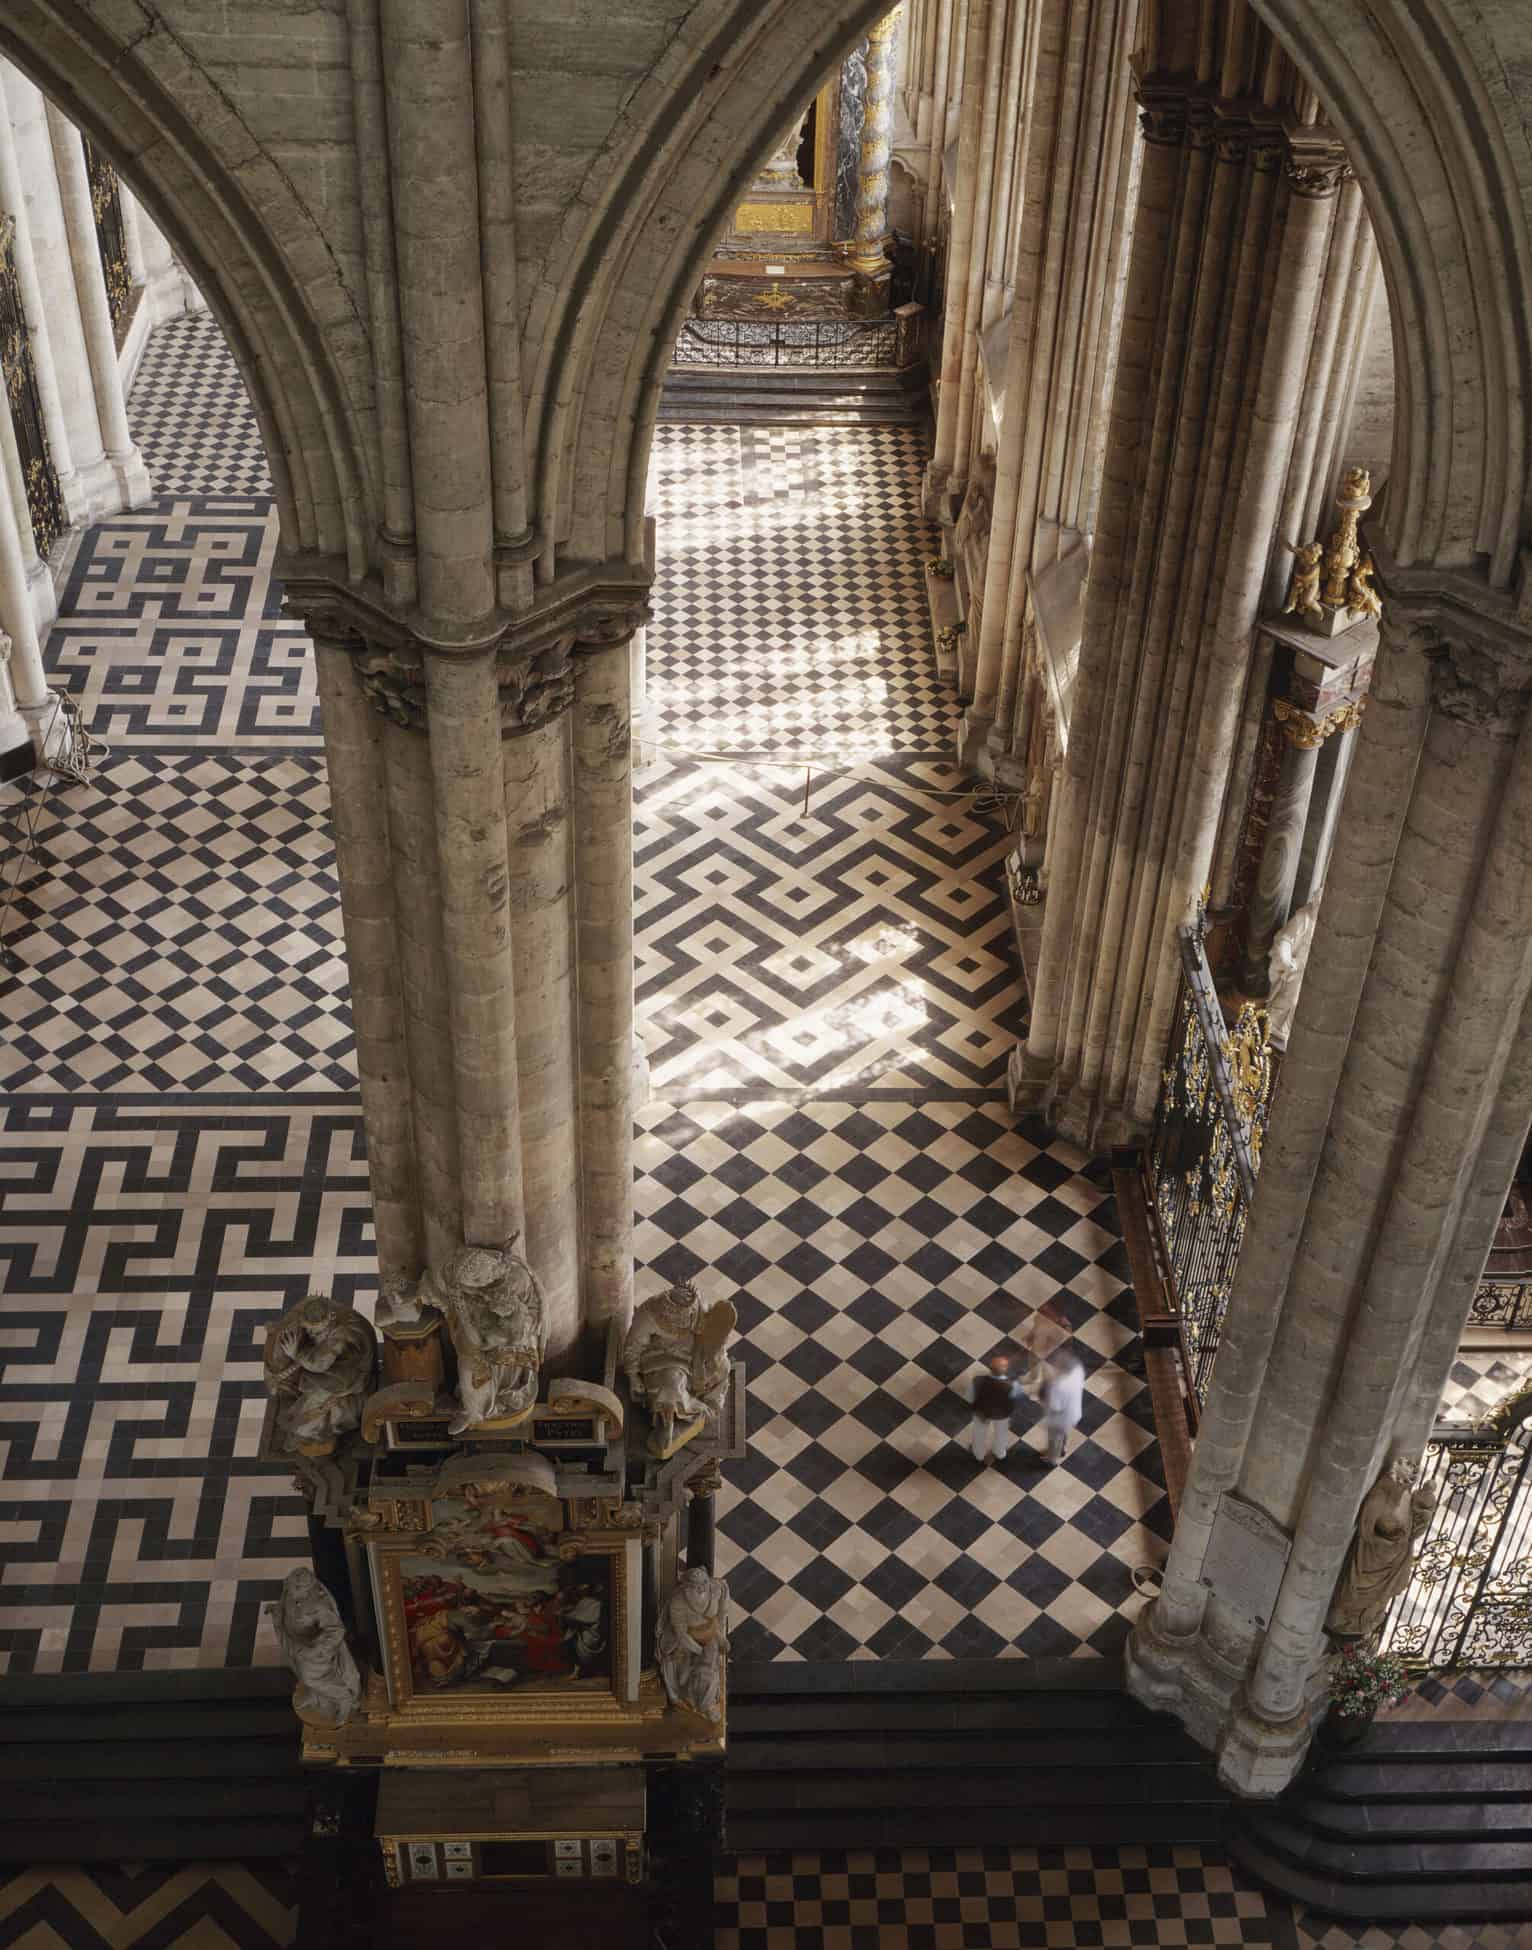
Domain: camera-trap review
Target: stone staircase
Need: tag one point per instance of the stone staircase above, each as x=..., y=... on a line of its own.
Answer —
x=746, y=396
x=1021, y=1753
x=1426, y=1823
x=149, y=1766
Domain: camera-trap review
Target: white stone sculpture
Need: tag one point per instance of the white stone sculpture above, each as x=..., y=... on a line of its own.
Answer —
x=401, y=1303
x=690, y=1642
x=1285, y=965
x=308, y=1626
x=319, y=1369
x=499, y=1326
x=676, y=1358
x=1391, y=1521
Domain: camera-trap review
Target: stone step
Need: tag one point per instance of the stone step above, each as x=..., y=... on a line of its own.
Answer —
x=1045, y=1825
x=182, y=1759
x=1425, y=1778
x=980, y=1747
x=1425, y=1820
x=1451, y=1899
x=842, y=1678
x=126, y=1839
x=1016, y=1788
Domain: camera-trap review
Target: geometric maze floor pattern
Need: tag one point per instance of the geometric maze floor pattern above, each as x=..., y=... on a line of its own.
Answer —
x=178, y=928
x=147, y=1906
x=832, y=935
x=789, y=601
x=143, y=1249
x=876, y=1252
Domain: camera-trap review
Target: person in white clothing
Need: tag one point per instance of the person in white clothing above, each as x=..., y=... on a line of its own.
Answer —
x=992, y=1394
x=1063, y=1398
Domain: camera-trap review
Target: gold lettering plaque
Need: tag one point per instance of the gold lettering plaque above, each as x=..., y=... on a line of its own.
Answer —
x=778, y=218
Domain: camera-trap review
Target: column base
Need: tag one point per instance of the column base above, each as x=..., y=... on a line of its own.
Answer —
x=110, y=483
x=1182, y=1674
x=1257, y=1757
x=48, y=724
x=643, y=1083
x=1034, y=1092
x=132, y=478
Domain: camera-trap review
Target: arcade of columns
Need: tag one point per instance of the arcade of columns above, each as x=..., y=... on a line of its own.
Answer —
x=1189, y=332
x=1188, y=316
x=79, y=374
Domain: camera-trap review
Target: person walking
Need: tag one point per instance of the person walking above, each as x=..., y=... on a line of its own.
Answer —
x=992, y=1395
x=1063, y=1398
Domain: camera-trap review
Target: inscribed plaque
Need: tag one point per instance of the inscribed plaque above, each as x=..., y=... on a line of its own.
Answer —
x=1246, y=1556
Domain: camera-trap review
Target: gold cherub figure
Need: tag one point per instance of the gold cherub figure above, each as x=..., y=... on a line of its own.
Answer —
x=1361, y=598
x=1303, y=590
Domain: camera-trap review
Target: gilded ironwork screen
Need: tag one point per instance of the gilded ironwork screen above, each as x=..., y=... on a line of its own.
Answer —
x=1204, y=1154
x=106, y=201
x=825, y=343
x=45, y=502
x=1469, y=1600
x=1502, y=1303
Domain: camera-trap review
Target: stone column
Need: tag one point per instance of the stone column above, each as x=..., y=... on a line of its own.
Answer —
x=603, y=840
x=126, y=462
x=1271, y=902
x=1073, y=177
x=42, y=598
x=946, y=40
x=13, y=203
x=1215, y=347
x=868, y=256
x=38, y=705
x=1405, y=1098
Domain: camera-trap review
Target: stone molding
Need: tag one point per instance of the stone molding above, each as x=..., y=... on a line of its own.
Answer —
x=535, y=655
x=1476, y=640
x=1175, y=113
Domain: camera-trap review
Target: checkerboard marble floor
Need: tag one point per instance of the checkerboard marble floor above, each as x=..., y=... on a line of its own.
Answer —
x=825, y=989
x=1036, y=1899
x=1481, y=1379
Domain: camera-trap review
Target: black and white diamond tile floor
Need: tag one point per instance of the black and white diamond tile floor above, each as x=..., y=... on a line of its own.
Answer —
x=192, y=417
x=876, y=1253
x=178, y=928
x=790, y=615
x=991, y=1899
x=1480, y=1381
x=835, y=932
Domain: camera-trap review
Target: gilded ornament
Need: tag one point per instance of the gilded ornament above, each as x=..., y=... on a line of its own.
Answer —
x=1361, y=598
x=1303, y=590
x=1343, y=553
x=1247, y=1051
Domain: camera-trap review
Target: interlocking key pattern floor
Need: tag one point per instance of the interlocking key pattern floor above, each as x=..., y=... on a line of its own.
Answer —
x=790, y=614
x=825, y=931
x=144, y=1906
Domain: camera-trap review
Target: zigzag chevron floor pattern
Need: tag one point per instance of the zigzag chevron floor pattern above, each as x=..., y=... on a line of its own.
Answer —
x=141, y=1906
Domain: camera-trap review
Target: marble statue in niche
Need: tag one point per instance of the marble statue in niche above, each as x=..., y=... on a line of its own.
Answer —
x=319, y=1365
x=498, y=1322
x=691, y=1640
x=676, y=1359
x=308, y=1627
x=1391, y=1521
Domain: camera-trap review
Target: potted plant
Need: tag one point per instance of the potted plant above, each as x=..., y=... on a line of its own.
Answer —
x=1361, y=1681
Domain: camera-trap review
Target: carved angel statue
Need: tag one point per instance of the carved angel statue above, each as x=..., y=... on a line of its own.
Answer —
x=308, y=1626
x=1390, y=1523
x=1361, y=598
x=1288, y=959
x=319, y=1362
x=676, y=1358
x=1303, y=590
x=690, y=1641
x=499, y=1326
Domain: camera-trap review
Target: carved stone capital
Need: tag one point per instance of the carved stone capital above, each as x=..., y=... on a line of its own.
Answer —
x=1315, y=179
x=1475, y=640
x=393, y=683
x=1480, y=684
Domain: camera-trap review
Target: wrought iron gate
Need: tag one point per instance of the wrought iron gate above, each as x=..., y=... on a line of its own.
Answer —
x=1469, y=1600
x=45, y=502
x=106, y=201
x=1205, y=1151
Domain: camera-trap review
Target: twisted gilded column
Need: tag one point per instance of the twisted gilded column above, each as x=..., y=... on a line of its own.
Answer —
x=868, y=256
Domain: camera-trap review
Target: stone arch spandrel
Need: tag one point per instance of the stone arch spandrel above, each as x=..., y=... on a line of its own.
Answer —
x=1434, y=100
x=222, y=172
x=1430, y=95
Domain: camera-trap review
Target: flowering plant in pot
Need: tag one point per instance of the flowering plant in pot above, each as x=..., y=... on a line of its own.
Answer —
x=1361, y=1681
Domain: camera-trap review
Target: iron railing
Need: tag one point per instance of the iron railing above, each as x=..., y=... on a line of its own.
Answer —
x=106, y=201
x=1469, y=1599
x=1505, y=1304
x=1202, y=1159
x=820, y=344
x=45, y=500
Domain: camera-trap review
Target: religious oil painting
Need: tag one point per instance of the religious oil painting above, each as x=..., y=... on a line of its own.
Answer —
x=486, y=1604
